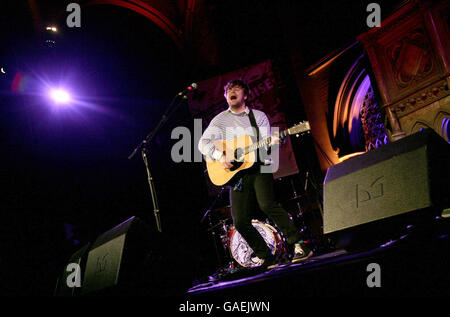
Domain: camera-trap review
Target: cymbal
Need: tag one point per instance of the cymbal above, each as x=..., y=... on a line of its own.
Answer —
x=226, y=209
x=221, y=213
x=296, y=197
x=219, y=224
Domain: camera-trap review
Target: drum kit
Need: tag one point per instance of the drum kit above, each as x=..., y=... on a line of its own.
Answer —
x=235, y=253
x=241, y=251
x=236, y=248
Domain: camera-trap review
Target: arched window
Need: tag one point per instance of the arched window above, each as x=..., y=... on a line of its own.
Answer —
x=358, y=122
x=445, y=129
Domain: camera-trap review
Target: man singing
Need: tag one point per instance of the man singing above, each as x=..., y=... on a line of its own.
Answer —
x=252, y=183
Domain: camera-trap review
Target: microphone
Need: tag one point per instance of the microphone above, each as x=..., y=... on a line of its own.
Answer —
x=189, y=88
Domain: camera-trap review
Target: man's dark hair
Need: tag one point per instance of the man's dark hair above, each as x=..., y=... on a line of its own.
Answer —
x=233, y=83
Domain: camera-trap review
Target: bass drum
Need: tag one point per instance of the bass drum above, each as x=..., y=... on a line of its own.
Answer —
x=241, y=251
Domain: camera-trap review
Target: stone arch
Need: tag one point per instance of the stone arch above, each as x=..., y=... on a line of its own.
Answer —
x=420, y=124
x=438, y=120
x=149, y=11
x=345, y=109
x=441, y=124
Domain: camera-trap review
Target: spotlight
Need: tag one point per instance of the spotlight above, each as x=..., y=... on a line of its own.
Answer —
x=60, y=96
x=51, y=28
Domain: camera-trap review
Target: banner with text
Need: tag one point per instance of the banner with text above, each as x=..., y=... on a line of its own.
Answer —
x=208, y=100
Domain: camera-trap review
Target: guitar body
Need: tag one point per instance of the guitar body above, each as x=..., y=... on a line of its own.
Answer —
x=239, y=152
x=232, y=148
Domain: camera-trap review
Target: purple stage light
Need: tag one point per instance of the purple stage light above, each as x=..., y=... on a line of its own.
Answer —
x=60, y=96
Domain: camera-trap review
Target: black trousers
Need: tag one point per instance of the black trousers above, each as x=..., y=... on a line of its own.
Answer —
x=260, y=186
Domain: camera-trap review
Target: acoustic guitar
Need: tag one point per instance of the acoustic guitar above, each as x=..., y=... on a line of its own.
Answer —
x=241, y=153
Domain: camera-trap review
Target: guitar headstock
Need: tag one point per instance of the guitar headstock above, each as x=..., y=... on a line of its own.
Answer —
x=302, y=127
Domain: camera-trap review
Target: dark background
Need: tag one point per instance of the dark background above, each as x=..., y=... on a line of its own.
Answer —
x=65, y=173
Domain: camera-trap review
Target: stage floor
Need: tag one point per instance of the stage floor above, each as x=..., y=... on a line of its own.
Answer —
x=408, y=266
x=245, y=276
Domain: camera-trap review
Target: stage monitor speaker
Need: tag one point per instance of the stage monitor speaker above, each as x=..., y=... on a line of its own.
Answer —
x=410, y=174
x=119, y=256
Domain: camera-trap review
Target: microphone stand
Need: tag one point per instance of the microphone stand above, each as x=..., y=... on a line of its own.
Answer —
x=144, y=148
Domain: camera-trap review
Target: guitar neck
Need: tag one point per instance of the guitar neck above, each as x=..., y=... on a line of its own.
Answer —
x=263, y=142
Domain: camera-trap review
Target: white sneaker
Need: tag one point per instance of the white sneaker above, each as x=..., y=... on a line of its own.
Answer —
x=270, y=263
x=301, y=253
x=256, y=261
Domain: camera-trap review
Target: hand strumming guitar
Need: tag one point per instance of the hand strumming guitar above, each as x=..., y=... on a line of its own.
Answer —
x=225, y=162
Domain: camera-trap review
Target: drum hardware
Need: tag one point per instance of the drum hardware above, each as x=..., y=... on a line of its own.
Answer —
x=222, y=213
x=296, y=197
x=309, y=213
x=213, y=233
x=224, y=227
x=211, y=226
x=299, y=216
x=220, y=224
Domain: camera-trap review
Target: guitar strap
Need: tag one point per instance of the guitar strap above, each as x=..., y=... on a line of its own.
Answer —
x=251, y=116
x=255, y=126
x=239, y=186
x=253, y=123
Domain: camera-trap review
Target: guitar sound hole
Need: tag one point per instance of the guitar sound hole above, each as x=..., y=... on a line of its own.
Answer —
x=236, y=165
x=239, y=159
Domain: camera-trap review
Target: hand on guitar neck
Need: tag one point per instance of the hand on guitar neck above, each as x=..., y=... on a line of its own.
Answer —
x=275, y=139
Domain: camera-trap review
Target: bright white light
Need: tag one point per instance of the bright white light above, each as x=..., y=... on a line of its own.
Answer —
x=60, y=96
x=51, y=28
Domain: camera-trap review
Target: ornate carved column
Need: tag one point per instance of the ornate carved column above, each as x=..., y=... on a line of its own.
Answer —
x=410, y=55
